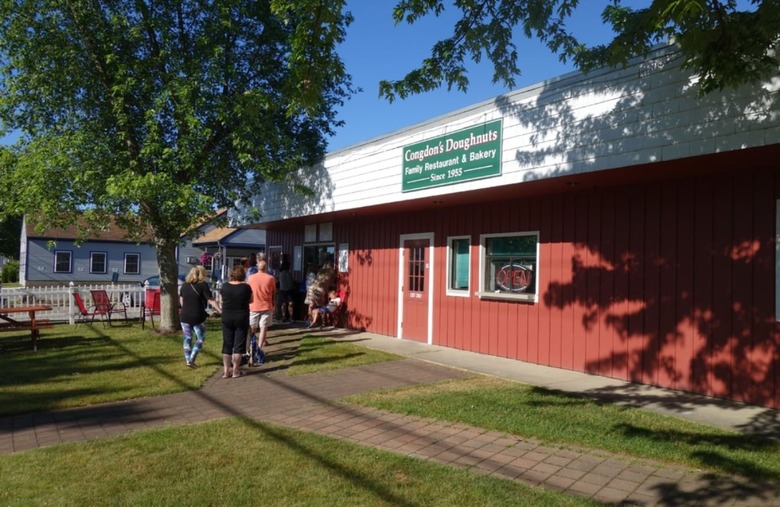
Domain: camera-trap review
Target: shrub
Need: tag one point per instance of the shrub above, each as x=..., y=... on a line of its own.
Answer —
x=10, y=272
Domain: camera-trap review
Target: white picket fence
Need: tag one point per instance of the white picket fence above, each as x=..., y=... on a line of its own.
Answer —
x=63, y=304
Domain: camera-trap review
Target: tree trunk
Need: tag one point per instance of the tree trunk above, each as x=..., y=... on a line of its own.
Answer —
x=169, y=287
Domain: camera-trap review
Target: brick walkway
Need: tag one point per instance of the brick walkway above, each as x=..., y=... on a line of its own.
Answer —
x=308, y=403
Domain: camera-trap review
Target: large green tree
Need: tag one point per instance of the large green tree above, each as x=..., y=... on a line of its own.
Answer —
x=723, y=44
x=158, y=112
x=10, y=225
x=10, y=234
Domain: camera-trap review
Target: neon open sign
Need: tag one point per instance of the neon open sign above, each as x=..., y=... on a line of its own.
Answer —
x=515, y=277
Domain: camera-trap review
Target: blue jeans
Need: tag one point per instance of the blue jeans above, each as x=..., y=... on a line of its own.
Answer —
x=190, y=352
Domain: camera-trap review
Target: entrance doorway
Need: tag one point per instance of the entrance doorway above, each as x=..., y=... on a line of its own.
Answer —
x=415, y=282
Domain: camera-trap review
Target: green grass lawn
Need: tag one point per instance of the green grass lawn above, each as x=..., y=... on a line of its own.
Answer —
x=86, y=364
x=77, y=366
x=239, y=462
x=317, y=354
x=225, y=462
x=83, y=365
x=555, y=417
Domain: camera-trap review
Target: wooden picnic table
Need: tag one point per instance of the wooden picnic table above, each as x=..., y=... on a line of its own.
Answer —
x=34, y=325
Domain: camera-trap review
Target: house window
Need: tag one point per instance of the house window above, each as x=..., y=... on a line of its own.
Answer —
x=326, y=232
x=509, y=266
x=416, y=265
x=458, y=265
x=310, y=233
x=274, y=259
x=317, y=255
x=98, y=262
x=62, y=261
x=132, y=264
x=207, y=260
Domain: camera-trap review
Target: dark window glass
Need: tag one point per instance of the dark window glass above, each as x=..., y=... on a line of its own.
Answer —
x=459, y=264
x=97, y=262
x=510, y=264
x=132, y=264
x=62, y=262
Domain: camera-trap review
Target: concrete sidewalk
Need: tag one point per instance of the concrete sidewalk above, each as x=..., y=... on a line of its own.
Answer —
x=309, y=403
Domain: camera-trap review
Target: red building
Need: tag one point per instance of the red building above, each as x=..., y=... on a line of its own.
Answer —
x=615, y=223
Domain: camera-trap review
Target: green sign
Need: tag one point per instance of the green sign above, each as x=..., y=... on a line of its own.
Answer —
x=467, y=154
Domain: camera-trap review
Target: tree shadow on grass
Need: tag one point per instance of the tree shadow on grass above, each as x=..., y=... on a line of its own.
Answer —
x=21, y=343
x=699, y=442
x=708, y=458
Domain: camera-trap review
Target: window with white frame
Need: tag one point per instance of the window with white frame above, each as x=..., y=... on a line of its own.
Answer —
x=63, y=261
x=98, y=262
x=132, y=264
x=458, y=265
x=509, y=264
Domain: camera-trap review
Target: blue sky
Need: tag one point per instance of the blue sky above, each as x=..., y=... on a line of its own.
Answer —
x=376, y=49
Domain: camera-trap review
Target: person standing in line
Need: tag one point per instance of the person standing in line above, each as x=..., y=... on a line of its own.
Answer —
x=263, y=288
x=194, y=296
x=268, y=269
x=286, y=291
x=251, y=267
x=311, y=276
x=236, y=298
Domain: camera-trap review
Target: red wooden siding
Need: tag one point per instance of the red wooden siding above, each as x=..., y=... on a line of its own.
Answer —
x=622, y=306
x=558, y=278
x=565, y=288
x=720, y=367
x=705, y=286
x=684, y=347
x=579, y=281
x=668, y=283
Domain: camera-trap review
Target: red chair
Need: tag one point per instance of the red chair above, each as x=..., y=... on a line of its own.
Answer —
x=104, y=307
x=84, y=313
x=338, y=316
x=151, y=306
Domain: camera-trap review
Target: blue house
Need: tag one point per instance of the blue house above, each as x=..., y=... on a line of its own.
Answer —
x=53, y=257
x=224, y=247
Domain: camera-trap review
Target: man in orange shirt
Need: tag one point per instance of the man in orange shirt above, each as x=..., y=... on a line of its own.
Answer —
x=262, y=307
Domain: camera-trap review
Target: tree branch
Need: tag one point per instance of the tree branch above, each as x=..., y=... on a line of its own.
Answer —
x=104, y=76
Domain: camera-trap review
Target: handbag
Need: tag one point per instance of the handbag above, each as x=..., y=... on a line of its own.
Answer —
x=203, y=302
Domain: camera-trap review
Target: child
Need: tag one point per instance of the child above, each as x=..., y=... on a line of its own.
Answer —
x=333, y=302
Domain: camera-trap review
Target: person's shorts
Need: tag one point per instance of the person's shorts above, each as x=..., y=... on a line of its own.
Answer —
x=260, y=319
x=286, y=296
x=325, y=309
x=316, y=296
